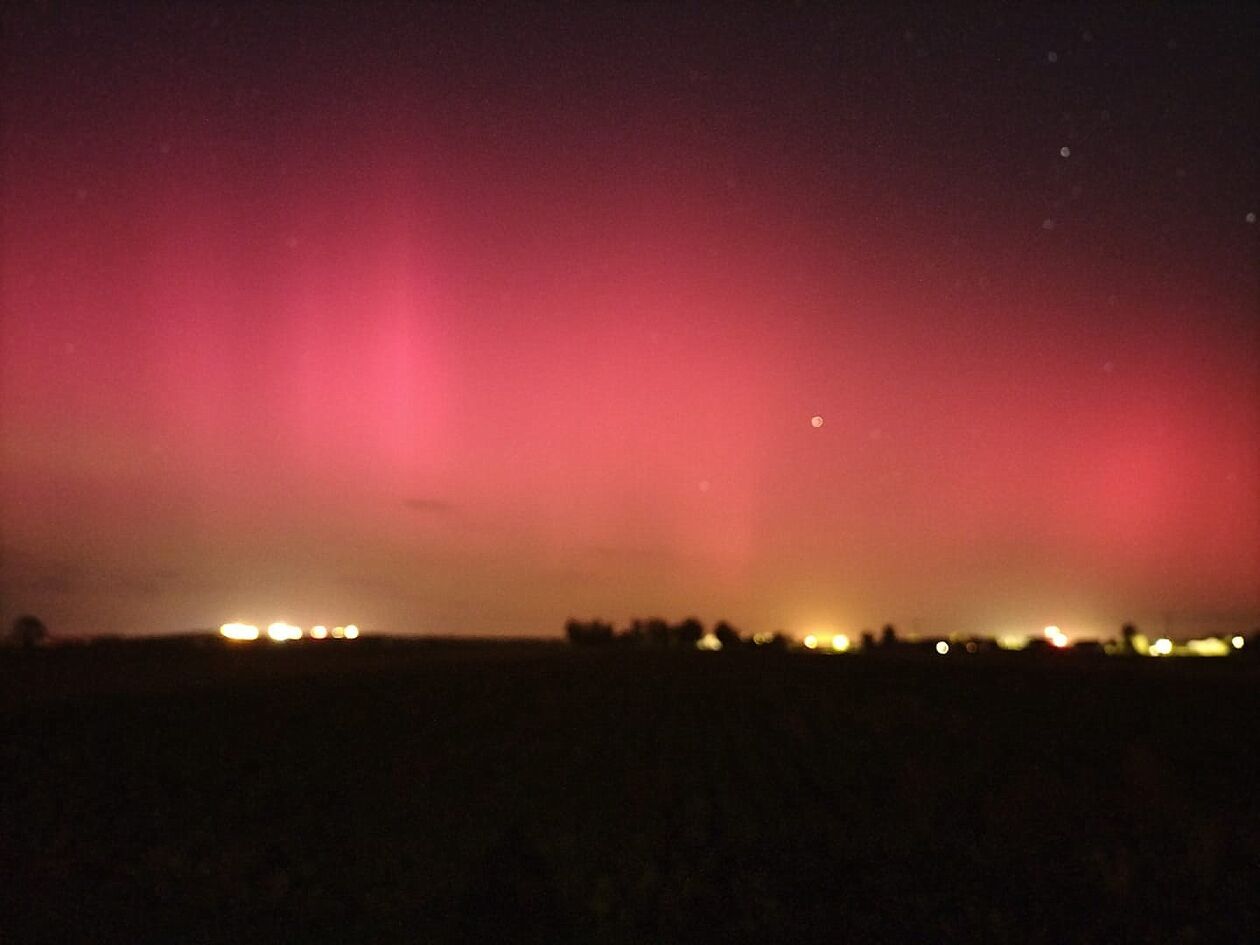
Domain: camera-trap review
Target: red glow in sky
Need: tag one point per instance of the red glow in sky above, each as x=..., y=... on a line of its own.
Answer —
x=443, y=326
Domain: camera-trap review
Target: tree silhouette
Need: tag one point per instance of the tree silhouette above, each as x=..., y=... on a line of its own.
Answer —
x=888, y=636
x=28, y=631
x=727, y=635
x=688, y=633
x=657, y=632
x=588, y=632
x=779, y=641
x=1127, y=633
x=636, y=633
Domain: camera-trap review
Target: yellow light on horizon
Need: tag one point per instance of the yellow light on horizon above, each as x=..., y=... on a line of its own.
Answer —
x=840, y=643
x=1056, y=636
x=1012, y=642
x=942, y=647
x=338, y=632
x=1212, y=646
x=1161, y=647
x=352, y=632
x=709, y=642
x=1236, y=642
x=811, y=641
x=319, y=632
x=238, y=631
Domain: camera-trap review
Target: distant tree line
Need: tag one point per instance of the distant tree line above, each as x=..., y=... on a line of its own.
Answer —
x=686, y=634
x=654, y=632
x=657, y=633
x=589, y=632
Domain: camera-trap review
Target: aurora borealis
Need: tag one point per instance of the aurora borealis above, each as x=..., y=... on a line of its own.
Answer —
x=454, y=321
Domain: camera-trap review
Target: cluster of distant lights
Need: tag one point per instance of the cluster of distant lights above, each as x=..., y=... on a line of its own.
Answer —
x=838, y=643
x=282, y=632
x=1054, y=636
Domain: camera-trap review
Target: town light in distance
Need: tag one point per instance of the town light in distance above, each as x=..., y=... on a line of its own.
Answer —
x=1210, y=646
x=281, y=632
x=1056, y=637
x=238, y=631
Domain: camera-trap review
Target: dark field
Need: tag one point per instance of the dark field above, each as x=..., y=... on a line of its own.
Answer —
x=443, y=793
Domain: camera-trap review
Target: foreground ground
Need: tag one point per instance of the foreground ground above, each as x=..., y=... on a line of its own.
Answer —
x=371, y=793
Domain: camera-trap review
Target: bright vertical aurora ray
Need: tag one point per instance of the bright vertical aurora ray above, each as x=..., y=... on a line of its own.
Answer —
x=459, y=321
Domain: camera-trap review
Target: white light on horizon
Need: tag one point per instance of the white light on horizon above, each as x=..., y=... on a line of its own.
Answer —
x=238, y=631
x=281, y=632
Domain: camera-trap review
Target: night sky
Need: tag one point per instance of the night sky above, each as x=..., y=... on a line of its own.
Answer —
x=465, y=321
